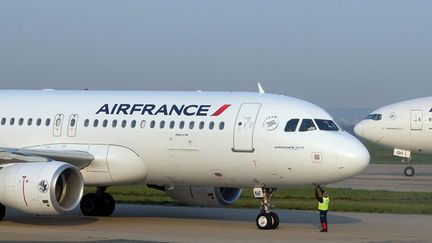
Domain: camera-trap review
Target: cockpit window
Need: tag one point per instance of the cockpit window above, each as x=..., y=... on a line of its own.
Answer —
x=326, y=125
x=291, y=125
x=375, y=117
x=307, y=125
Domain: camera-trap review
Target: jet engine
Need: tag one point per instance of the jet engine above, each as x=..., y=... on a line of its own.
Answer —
x=204, y=196
x=45, y=188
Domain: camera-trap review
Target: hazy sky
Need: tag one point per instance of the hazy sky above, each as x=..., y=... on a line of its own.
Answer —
x=337, y=54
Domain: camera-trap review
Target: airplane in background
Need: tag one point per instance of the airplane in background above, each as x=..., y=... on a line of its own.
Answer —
x=200, y=148
x=405, y=126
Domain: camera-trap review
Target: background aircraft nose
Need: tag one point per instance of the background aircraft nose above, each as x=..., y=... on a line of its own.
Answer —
x=358, y=129
x=353, y=157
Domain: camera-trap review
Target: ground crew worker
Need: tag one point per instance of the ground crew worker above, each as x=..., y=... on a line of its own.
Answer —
x=323, y=203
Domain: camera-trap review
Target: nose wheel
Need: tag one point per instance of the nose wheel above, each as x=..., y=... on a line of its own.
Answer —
x=409, y=170
x=97, y=204
x=266, y=219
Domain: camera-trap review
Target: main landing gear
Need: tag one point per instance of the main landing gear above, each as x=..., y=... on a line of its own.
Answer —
x=266, y=219
x=97, y=204
x=2, y=211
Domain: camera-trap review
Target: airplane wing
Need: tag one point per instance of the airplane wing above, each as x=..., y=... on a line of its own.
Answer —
x=80, y=159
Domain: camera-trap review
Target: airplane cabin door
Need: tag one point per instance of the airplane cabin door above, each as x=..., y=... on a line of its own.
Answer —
x=58, y=122
x=416, y=119
x=244, y=127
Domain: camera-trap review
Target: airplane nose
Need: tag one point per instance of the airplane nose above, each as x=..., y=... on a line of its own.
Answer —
x=353, y=157
x=358, y=129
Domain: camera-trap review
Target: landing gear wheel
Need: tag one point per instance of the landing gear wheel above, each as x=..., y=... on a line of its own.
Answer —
x=409, y=171
x=264, y=221
x=275, y=220
x=106, y=205
x=89, y=205
x=2, y=211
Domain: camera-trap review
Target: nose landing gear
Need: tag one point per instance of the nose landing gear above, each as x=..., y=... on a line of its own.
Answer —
x=266, y=219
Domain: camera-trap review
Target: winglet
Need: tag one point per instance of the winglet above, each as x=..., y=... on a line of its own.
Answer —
x=260, y=89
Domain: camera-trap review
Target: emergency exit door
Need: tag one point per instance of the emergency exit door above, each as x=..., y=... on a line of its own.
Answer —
x=416, y=119
x=244, y=128
x=58, y=122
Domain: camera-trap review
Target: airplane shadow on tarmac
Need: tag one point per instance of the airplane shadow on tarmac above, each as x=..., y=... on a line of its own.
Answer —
x=179, y=212
x=286, y=216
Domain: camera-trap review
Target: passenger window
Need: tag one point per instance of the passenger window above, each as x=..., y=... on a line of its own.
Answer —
x=221, y=125
x=211, y=125
x=12, y=121
x=3, y=121
x=152, y=124
x=21, y=121
x=191, y=125
x=291, y=125
x=38, y=122
x=172, y=124
x=142, y=124
x=105, y=123
x=47, y=122
x=114, y=123
x=30, y=121
x=73, y=122
x=133, y=124
x=124, y=123
x=162, y=124
x=326, y=125
x=307, y=125
x=86, y=123
x=95, y=123
x=201, y=125
x=58, y=122
x=181, y=124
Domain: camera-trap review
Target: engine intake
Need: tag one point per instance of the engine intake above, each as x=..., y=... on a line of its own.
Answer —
x=45, y=188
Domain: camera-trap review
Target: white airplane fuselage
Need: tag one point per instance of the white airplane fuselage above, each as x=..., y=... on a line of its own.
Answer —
x=404, y=125
x=252, y=148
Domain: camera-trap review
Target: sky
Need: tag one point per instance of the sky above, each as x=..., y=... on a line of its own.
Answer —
x=336, y=54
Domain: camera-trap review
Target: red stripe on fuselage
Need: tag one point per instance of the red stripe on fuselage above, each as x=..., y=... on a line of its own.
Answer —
x=221, y=110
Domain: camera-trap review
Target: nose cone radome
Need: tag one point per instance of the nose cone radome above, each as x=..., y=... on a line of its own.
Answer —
x=353, y=157
x=358, y=129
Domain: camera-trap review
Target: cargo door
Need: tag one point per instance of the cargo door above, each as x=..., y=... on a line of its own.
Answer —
x=244, y=128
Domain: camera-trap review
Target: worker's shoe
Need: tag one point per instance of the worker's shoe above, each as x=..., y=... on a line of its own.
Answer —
x=324, y=227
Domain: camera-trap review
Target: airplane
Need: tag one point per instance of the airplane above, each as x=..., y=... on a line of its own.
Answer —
x=201, y=148
x=405, y=126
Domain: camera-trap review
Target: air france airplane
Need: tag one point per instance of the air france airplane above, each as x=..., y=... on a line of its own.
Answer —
x=405, y=126
x=200, y=148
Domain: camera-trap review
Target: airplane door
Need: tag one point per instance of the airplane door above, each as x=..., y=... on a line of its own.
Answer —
x=416, y=119
x=58, y=122
x=72, y=125
x=244, y=128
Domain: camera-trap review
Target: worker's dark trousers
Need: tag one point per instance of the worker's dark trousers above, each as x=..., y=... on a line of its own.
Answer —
x=323, y=219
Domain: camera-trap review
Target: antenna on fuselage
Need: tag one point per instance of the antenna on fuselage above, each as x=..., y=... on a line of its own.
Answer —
x=260, y=89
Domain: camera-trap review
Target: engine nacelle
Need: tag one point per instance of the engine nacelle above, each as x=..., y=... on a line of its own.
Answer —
x=45, y=188
x=204, y=196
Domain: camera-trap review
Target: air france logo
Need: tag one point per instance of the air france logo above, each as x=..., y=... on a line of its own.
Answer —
x=271, y=123
x=153, y=110
x=43, y=186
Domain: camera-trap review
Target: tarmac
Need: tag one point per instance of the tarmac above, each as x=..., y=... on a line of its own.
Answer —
x=145, y=223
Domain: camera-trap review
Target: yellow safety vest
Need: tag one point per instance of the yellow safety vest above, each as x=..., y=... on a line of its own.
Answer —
x=324, y=205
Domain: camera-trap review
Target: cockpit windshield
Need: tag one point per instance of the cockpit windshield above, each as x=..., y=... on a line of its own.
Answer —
x=307, y=125
x=326, y=125
x=375, y=117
